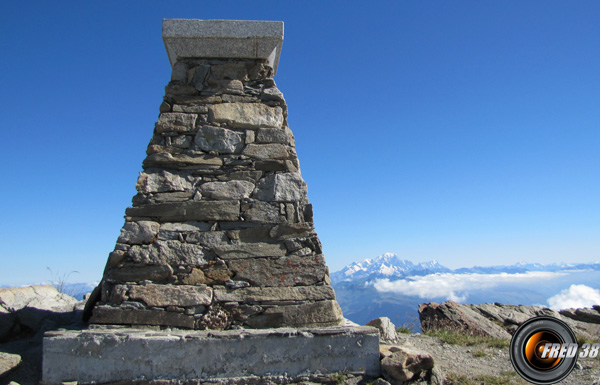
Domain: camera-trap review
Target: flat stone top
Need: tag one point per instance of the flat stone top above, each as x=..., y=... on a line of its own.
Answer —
x=224, y=39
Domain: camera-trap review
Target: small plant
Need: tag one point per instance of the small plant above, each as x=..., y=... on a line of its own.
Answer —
x=403, y=330
x=478, y=353
x=454, y=336
x=59, y=281
x=338, y=378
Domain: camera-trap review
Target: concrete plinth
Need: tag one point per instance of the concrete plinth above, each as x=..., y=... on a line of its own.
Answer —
x=110, y=355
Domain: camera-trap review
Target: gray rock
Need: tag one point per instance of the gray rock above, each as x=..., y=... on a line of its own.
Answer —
x=275, y=294
x=460, y=318
x=169, y=253
x=137, y=233
x=246, y=115
x=272, y=135
x=221, y=140
x=287, y=187
x=199, y=75
x=162, y=181
x=387, y=330
x=250, y=250
x=175, y=295
x=117, y=316
x=209, y=239
x=267, y=151
x=8, y=362
x=233, y=189
x=284, y=271
x=185, y=227
x=321, y=313
x=188, y=211
x=35, y=307
x=590, y=315
x=400, y=363
x=262, y=212
x=154, y=273
x=163, y=159
x=176, y=121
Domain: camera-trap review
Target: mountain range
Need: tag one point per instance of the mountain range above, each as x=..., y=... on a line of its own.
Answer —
x=393, y=287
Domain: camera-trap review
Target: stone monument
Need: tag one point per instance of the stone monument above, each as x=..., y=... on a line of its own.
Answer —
x=219, y=237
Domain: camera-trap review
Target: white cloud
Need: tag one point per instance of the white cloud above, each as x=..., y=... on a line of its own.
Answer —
x=576, y=296
x=456, y=287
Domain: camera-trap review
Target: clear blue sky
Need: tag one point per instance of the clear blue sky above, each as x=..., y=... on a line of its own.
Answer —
x=462, y=131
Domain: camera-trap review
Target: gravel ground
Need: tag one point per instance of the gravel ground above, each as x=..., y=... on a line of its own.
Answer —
x=481, y=364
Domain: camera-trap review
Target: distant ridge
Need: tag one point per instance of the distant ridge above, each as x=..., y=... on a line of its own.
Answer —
x=390, y=266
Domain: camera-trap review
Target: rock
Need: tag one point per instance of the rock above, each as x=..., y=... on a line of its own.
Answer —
x=176, y=295
x=175, y=121
x=284, y=271
x=263, y=212
x=387, y=330
x=246, y=115
x=155, y=273
x=8, y=362
x=169, y=253
x=590, y=315
x=162, y=181
x=218, y=139
x=118, y=316
x=321, y=313
x=267, y=151
x=209, y=239
x=137, y=233
x=234, y=189
x=167, y=160
x=250, y=250
x=286, y=187
x=272, y=135
x=454, y=316
x=272, y=294
x=34, y=308
x=402, y=364
x=188, y=211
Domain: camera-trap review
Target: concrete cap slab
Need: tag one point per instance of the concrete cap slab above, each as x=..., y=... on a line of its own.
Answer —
x=223, y=39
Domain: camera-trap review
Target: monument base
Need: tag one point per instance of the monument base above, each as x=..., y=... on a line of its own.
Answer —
x=140, y=355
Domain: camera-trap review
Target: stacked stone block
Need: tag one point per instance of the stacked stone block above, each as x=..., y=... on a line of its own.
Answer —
x=220, y=233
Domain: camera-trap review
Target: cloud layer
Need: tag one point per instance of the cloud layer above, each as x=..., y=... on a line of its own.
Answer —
x=456, y=287
x=576, y=296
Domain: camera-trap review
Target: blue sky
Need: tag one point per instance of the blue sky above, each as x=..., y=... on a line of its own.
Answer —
x=464, y=131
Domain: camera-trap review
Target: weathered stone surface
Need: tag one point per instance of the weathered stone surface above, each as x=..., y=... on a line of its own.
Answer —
x=387, y=330
x=163, y=159
x=274, y=294
x=140, y=232
x=176, y=295
x=321, y=313
x=288, y=187
x=590, y=315
x=34, y=307
x=272, y=135
x=284, y=271
x=103, y=356
x=209, y=239
x=188, y=211
x=263, y=212
x=8, y=362
x=195, y=277
x=291, y=230
x=400, y=363
x=221, y=140
x=246, y=115
x=458, y=317
x=154, y=273
x=169, y=253
x=250, y=250
x=185, y=227
x=118, y=316
x=234, y=189
x=267, y=151
x=174, y=121
x=162, y=181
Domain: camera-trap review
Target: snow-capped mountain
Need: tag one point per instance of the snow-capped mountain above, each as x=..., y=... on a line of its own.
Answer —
x=388, y=265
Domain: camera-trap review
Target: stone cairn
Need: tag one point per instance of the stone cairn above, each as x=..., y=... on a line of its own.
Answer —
x=221, y=232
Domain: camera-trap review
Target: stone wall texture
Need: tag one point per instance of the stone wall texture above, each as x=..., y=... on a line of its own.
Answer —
x=220, y=232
